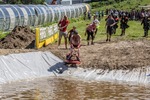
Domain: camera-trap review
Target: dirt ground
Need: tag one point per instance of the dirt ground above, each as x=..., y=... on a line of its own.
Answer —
x=105, y=55
x=19, y=38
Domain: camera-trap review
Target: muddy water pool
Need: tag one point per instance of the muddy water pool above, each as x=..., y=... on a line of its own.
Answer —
x=62, y=88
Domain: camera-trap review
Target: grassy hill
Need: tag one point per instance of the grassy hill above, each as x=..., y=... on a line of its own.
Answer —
x=124, y=5
x=134, y=32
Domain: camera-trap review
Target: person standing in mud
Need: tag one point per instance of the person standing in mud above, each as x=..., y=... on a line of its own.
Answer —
x=146, y=25
x=63, y=24
x=90, y=31
x=123, y=24
x=110, y=22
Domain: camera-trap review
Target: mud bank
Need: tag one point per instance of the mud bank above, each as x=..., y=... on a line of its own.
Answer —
x=26, y=66
x=113, y=55
x=124, y=55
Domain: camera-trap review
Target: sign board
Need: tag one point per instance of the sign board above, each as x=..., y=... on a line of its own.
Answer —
x=46, y=35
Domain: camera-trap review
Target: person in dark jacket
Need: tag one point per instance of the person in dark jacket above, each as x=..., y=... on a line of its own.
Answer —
x=123, y=24
x=116, y=26
x=110, y=22
x=146, y=25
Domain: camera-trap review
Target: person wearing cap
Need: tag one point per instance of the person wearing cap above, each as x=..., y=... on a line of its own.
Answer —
x=90, y=31
x=63, y=24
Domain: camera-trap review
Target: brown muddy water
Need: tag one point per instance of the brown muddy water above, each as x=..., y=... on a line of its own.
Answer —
x=54, y=88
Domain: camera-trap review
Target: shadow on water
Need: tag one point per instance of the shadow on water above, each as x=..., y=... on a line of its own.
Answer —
x=59, y=68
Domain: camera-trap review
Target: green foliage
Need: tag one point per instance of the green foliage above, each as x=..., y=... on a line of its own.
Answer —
x=47, y=24
x=25, y=1
x=72, y=20
x=3, y=34
x=38, y=1
x=95, y=4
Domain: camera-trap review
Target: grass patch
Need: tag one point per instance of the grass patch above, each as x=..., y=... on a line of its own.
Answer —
x=3, y=34
x=134, y=32
x=127, y=5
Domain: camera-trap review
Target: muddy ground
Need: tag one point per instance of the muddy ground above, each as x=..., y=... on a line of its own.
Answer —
x=105, y=55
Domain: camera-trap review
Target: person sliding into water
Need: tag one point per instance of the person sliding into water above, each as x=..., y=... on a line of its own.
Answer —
x=73, y=56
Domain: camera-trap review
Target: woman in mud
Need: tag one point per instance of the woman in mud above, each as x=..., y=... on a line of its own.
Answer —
x=90, y=31
x=75, y=40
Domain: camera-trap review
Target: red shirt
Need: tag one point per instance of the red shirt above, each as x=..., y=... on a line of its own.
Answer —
x=91, y=27
x=63, y=23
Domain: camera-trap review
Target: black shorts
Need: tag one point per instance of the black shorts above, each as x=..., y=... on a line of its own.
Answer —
x=90, y=34
x=110, y=30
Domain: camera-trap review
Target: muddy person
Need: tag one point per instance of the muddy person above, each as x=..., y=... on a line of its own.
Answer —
x=71, y=32
x=110, y=22
x=90, y=31
x=63, y=24
x=75, y=41
x=96, y=22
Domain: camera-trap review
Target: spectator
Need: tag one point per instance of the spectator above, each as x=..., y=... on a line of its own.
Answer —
x=89, y=15
x=123, y=24
x=97, y=23
x=84, y=16
x=146, y=25
x=63, y=24
x=116, y=26
x=90, y=31
x=110, y=22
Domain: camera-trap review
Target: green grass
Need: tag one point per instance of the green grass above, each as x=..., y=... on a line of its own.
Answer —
x=3, y=34
x=134, y=32
x=127, y=5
